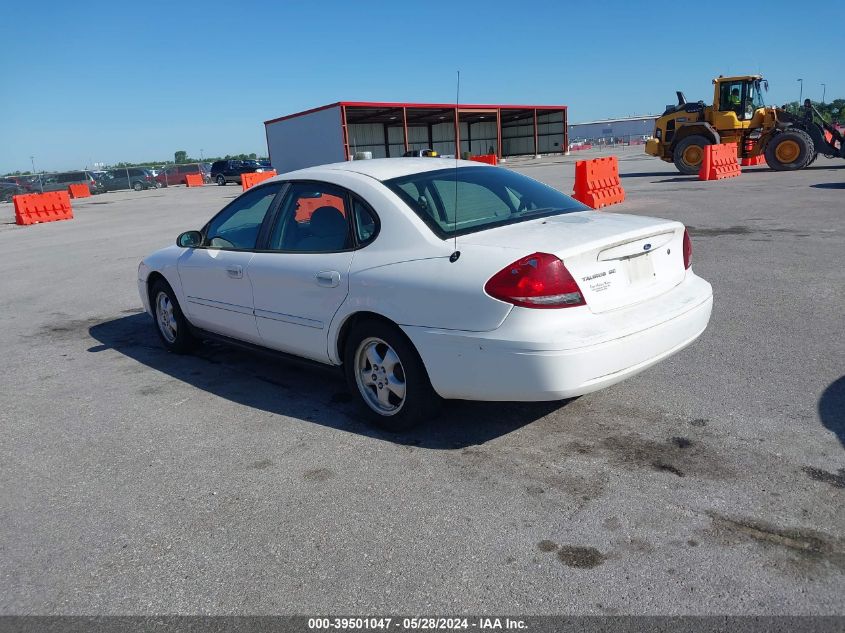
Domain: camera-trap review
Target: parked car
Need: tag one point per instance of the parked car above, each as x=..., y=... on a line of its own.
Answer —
x=175, y=174
x=522, y=293
x=137, y=178
x=24, y=182
x=9, y=190
x=61, y=181
x=226, y=171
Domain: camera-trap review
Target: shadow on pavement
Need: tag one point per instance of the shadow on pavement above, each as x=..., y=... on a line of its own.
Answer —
x=811, y=167
x=832, y=409
x=654, y=174
x=307, y=392
x=829, y=185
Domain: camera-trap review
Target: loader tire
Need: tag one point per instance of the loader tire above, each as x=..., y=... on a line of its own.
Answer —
x=789, y=150
x=688, y=154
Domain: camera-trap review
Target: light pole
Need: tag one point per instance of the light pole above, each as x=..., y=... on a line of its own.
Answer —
x=801, y=92
x=40, y=182
x=824, y=88
x=201, y=157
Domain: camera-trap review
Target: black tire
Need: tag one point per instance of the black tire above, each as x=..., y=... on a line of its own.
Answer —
x=221, y=180
x=684, y=155
x=812, y=159
x=789, y=150
x=418, y=404
x=181, y=341
x=137, y=186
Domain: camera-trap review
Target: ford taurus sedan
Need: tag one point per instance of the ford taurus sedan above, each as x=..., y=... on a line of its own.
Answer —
x=429, y=279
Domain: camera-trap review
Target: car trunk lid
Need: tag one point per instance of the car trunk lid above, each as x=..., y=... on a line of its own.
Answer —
x=617, y=260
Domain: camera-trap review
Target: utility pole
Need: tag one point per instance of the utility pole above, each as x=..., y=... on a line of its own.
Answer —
x=801, y=93
x=40, y=181
x=824, y=89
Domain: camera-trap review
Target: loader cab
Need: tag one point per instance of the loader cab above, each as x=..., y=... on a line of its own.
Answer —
x=736, y=100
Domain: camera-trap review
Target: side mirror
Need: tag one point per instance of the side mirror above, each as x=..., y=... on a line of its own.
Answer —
x=189, y=239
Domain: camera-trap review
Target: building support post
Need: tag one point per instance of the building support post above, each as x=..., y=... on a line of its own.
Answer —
x=345, y=132
x=536, y=136
x=565, y=134
x=499, y=133
x=469, y=137
x=405, y=126
x=457, y=134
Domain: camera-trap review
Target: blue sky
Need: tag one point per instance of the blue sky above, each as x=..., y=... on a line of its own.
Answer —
x=104, y=82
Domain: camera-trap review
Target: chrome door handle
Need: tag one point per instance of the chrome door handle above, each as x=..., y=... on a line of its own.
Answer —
x=328, y=278
x=235, y=272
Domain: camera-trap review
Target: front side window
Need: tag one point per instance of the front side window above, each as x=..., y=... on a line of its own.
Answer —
x=237, y=226
x=468, y=199
x=313, y=218
x=731, y=97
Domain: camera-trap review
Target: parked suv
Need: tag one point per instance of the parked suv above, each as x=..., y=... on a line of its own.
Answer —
x=61, y=181
x=226, y=171
x=9, y=190
x=175, y=174
x=135, y=178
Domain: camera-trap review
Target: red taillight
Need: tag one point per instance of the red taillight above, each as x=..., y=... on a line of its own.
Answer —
x=687, y=250
x=537, y=281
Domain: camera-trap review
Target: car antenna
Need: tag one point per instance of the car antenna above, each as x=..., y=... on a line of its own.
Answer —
x=456, y=254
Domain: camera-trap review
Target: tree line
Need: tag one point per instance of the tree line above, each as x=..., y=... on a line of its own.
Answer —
x=833, y=112
x=179, y=157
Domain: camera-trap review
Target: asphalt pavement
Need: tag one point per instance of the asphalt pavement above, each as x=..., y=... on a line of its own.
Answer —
x=133, y=481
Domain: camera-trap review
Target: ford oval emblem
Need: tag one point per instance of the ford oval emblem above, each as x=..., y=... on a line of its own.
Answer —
x=646, y=247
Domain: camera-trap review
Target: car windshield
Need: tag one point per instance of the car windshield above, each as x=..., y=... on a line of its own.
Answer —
x=469, y=199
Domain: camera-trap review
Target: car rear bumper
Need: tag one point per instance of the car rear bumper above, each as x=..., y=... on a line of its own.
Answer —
x=590, y=351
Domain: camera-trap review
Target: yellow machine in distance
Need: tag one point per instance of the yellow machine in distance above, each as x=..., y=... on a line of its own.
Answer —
x=739, y=115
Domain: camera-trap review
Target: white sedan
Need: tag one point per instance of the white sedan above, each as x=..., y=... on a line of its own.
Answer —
x=429, y=278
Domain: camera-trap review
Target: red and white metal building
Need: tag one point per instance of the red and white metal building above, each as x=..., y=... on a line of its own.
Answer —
x=338, y=131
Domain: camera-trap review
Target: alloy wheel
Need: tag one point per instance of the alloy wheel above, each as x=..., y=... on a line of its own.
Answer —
x=380, y=376
x=165, y=318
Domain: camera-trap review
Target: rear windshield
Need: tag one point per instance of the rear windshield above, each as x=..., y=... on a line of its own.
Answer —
x=469, y=199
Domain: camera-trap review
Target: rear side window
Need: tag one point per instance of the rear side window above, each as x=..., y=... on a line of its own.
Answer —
x=312, y=218
x=366, y=224
x=469, y=199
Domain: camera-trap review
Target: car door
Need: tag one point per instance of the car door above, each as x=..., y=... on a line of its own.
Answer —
x=214, y=277
x=111, y=181
x=233, y=172
x=302, y=277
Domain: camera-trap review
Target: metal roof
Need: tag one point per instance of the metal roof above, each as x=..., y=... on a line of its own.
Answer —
x=449, y=107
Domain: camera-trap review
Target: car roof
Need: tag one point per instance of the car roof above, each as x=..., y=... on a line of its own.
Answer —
x=385, y=168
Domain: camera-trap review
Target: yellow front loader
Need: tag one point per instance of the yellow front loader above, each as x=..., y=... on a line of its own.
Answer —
x=739, y=115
